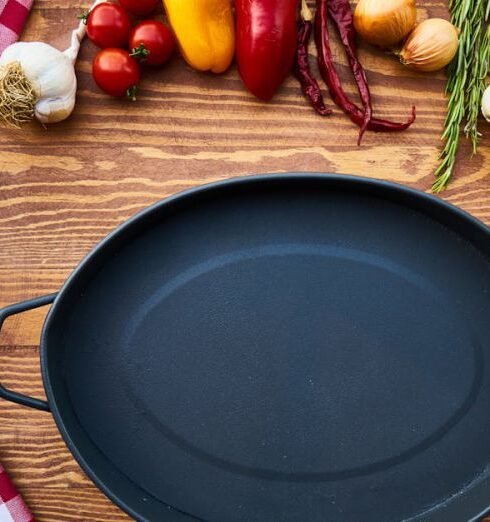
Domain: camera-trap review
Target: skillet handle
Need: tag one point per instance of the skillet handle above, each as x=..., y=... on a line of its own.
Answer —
x=12, y=396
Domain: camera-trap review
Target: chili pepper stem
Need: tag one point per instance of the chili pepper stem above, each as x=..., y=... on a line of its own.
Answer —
x=306, y=14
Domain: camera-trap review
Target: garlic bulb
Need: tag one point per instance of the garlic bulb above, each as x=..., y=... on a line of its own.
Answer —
x=485, y=104
x=37, y=80
x=50, y=74
x=385, y=22
x=430, y=46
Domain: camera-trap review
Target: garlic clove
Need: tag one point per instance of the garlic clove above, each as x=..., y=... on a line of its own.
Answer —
x=54, y=110
x=384, y=22
x=485, y=104
x=58, y=87
x=430, y=46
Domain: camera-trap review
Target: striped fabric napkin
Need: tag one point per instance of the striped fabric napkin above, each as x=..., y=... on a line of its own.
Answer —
x=12, y=507
x=13, y=15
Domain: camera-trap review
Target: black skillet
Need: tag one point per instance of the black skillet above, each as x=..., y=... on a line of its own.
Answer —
x=299, y=347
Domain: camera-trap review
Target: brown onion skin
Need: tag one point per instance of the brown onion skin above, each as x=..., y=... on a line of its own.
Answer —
x=431, y=45
x=385, y=23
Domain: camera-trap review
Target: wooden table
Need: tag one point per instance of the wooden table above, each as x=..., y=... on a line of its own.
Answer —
x=64, y=188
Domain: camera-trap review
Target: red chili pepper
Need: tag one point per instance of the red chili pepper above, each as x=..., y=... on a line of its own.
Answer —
x=309, y=85
x=341, y=15
x=331, y=78
x=266, y=43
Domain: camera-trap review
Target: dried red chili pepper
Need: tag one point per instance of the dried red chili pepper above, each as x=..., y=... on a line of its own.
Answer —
x=341, y=15
x=331, y=78
x=309, y=85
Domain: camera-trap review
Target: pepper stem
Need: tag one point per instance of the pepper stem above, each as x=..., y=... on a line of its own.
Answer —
x=306, y=13
x=17, y=96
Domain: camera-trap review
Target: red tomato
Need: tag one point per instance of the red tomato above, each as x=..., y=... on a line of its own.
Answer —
x=108, y=25
x=156, y=38
x=115, y=72
x=140, y=7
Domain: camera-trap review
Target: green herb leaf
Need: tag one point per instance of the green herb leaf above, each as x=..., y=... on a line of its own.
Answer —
x=466, y=82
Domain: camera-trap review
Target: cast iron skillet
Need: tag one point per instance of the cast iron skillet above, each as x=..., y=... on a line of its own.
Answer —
x=279, y=348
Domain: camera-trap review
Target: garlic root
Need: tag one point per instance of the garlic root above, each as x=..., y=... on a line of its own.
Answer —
x=17, y=96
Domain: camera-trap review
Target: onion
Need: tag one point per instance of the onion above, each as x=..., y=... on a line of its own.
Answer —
x=430, y=46
x=385, y=22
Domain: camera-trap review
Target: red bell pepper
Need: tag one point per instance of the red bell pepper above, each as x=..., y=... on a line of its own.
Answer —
x=266, y=43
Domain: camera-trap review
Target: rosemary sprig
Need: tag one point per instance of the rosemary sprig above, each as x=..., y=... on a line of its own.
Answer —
x=466, y=82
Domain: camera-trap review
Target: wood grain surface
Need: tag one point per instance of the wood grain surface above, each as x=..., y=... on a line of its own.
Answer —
x=64, y=188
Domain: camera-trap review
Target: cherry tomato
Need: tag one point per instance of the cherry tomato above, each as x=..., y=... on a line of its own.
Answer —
x=108, y=25
x=152, y=41
x=115, y=72
x=140, y=7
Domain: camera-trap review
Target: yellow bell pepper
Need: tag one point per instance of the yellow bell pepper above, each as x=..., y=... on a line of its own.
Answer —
x=205, y=31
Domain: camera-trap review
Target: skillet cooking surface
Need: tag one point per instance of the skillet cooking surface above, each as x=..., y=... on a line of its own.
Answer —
x=289, y=348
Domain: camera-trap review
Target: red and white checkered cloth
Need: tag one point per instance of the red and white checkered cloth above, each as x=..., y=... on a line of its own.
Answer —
x=12, y=507
x=13, y=15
